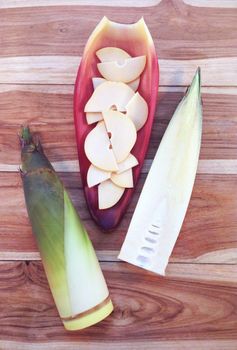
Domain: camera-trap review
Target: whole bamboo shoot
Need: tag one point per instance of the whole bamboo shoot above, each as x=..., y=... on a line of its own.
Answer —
x=73, y=272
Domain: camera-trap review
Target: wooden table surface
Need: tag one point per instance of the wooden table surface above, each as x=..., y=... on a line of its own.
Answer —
x=195, y=305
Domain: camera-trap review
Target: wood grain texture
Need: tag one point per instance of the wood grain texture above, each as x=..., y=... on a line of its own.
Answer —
x=47, y=3
x=134, y=345
x=63, y=69
x=50, y=113
x=212, y=3
x=68, y=89
x=226, y=256
x=117, y=3
x=194, y=306
x=147, y=308
x=205, y=166
x=209, y=227
x=180, y=31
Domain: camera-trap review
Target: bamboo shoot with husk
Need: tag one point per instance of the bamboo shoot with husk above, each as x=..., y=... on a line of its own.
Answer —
x=162, y=205
x=73, y=272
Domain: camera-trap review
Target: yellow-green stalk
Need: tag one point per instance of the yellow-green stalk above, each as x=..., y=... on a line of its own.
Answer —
x=73, y=271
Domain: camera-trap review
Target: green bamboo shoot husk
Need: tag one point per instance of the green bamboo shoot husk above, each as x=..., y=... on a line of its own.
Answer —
x=73, y=272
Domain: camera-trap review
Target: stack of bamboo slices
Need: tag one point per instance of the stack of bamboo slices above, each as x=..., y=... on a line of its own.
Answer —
x=119, y=112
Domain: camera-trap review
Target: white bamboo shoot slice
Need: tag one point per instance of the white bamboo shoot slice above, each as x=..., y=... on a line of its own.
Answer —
x=109, y=194
x=96, y=175
x=130, y=70
x=93, y=117
x=96, y=81
x=124, y=179
x=109, y=54
x=128, y=163
x=137, y=110
x=109, y=94
x=134, y=84
x=122, y=133
x=98, y=148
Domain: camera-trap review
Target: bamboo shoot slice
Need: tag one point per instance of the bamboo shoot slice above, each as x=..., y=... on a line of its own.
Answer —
x=96, y=81
x=96, y=175
x=124, y=179
x=128, y=163
x=134, y=84
x=93, y=117
x=137, y=110
x=98, y=148
x=109, y=94
x=122, y=132
x=128, y=71
x=110, y=54
x=109, y=194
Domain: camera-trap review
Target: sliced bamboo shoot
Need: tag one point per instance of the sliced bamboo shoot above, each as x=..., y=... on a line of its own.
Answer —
x=110, y=54
x=93, y=117
x=124, y=179
x=134, y=84
x=137, y=110
x=129, y=70
x=128, y=163
x=135, y=39
x=109, y=94
x=96, y=176
x=98, y=148
x=109, y=194
x=96, y=81
x=122, y=133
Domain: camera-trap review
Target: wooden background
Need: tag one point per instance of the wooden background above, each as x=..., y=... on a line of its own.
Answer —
x=195, y=305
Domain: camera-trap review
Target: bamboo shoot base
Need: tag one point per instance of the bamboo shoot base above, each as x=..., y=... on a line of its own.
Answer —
x=89, y=317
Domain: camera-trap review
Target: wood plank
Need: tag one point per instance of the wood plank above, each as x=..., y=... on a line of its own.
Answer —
x=134, y=345
x=68, y=89
x=50, y=113
x=191, y=304
x=208, y=233
x=223, y=256
x=212, y=3
x=219, y=90
x=193, y=307
x=63, y=70
x=116, y=3
x=209, y=166
x=180, y=31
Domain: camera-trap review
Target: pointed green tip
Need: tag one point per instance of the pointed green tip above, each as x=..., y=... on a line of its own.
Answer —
x=198, y=76
x=196, y=83
x=25, y=135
